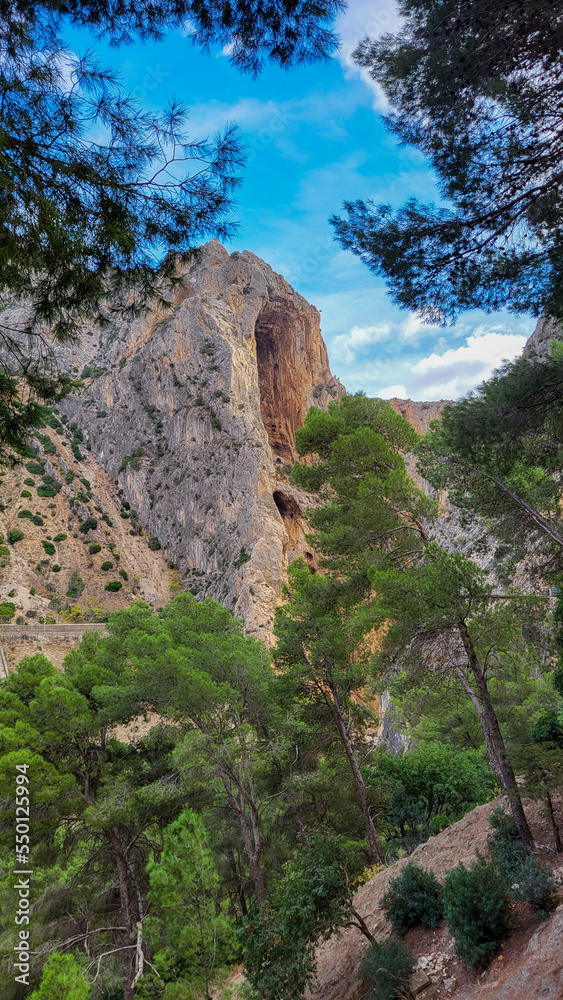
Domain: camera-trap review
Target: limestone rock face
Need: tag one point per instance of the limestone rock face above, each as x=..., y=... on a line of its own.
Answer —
x=192, y=408
x=546, y=329
x=418, y=414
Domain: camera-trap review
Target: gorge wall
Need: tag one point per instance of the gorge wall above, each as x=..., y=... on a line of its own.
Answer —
x=191, y=409
x=184, y=432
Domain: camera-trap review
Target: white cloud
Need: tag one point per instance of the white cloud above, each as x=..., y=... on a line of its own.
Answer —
x=394, y=365
x=487, y=349
x=365, y=17
x=454, y=372
x=248, y=112
x=345, y=346
x=393, y=392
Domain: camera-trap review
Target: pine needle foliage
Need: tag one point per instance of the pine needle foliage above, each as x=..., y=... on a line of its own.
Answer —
x=413, y=897
x=387, y=967
x=476, y=910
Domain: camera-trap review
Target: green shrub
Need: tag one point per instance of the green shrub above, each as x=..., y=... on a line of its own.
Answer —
x=107, y=565
x=56, y=568
x=37, y=468
x=7, y=609
x=4, y=550
x=48, y=446
x=15, y=535
x=32, y=591
x=424, y=787
x=61, y=537
x=243, y=557
x=29, y=482
x=76, y=585
x=438, y=823
x=123, y=574
x=26, y=494
x=524, y=877
x=548, y=729
x=62, y=977
x=49, y=548
x=37, y=519
x=91, y=371
x=90, y=524
x=476, y=910
x=413, y=897
x=108, y=520
x=154, y=543
x=93, y=548
x=25, y=513
x=386, y=968
x=114, y=586
x=69, y=476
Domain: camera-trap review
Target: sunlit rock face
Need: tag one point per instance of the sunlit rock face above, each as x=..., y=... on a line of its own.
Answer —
x=192, y=407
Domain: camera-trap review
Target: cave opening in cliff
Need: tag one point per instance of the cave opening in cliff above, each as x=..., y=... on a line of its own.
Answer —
x=292, y=517
x=287, y=506
x=280, y=396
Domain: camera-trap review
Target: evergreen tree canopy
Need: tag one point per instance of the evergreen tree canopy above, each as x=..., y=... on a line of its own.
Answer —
x=313, y=899
x=374, y=512
x=439, y=615
x=498, y=451
x=477, y=88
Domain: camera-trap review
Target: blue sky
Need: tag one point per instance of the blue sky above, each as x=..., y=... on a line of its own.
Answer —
x=314, y=137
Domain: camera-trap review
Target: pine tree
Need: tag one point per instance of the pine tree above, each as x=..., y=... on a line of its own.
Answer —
x=477, y=88
x=498, y=453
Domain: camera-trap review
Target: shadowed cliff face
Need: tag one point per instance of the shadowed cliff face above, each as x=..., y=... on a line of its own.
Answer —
x=191, y=408
x=288, y=345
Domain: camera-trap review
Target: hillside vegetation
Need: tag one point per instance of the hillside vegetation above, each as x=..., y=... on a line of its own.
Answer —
x=239, y=825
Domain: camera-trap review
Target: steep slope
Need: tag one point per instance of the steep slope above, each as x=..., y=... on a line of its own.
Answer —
x=191, y=408
x=528, y=966
x=50, y=500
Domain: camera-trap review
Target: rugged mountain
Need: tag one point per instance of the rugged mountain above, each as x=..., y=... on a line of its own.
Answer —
x=191, y=409
x=419, y=414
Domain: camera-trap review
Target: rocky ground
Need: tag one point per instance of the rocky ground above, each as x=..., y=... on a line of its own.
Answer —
x=55, y=556
x=529, y=966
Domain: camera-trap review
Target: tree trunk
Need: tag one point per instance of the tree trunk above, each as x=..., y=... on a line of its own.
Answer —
x=361, y=925
x=288, y=794
x=375, y=851
x=126, y=914
x=489, y=746
x=553, y=821
x=251, y=849
x=505, y=773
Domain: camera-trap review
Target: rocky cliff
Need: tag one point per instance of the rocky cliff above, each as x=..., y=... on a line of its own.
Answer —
x=418, y=414
x=191, y=408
